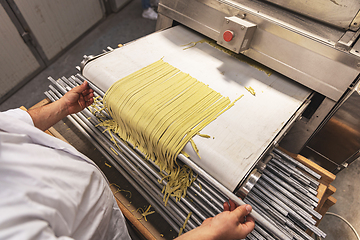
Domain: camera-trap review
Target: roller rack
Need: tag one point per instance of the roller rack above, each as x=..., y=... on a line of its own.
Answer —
x=208, y=200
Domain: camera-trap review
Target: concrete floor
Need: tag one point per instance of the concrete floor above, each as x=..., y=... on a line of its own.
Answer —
x=347, y=205
x=128, y=25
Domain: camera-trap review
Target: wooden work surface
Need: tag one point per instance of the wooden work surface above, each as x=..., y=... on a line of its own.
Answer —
x=129, y=200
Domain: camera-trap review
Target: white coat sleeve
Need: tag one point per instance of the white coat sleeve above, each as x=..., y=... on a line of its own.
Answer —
x=20, y=115
x=50, y=191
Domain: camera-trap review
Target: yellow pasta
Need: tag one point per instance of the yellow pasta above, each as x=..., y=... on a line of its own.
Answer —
x=251, y=90
x=158, y=109
x=184, y=225
x=144, y=213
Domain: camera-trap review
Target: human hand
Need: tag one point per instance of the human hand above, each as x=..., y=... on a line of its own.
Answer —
x=78, y=98
x=233, y=223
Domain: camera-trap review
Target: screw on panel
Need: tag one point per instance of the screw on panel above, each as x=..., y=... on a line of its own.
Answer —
x=227, y=21
x=243, y=16
x=242, y=27
x=235, y=49
x=358, y=65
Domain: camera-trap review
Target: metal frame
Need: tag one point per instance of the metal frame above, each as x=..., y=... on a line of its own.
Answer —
x=324, y=53
x=276, y=33
x=335, y=162
x=296, y=139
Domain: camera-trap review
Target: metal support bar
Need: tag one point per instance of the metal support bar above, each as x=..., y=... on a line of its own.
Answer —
x=298, y=164
x=267, y=225
x=282, y=199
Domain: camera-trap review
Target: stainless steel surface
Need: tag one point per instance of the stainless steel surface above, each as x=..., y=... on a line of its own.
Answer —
x=87, y=59
x=290, y=181
x=257, y=235
x=163, y=22
x=268, y=204
x=296, y=139
x=292, y=197
x=164, y=212
x=237, y=146
x=325, y=51
x=339, y=140
x=248, y=9
x=263, y=232
x=355, y=24
x=150, y=176
x=282, y=223
x=356, y=50
x=285, y=204
x=290, y=172
x=279, y=37
x=248, y=184
x=294, y=210
x=347, y=40
x=133, y=169
x=297, y=164
x=149, y=165
x=337, y=13
x=275, y=219
x=259, y=218
x=303, y=197
x=241, y=33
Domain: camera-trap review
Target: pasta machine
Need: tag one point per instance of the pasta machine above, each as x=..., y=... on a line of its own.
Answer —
x=303, y=64
x=313, y=43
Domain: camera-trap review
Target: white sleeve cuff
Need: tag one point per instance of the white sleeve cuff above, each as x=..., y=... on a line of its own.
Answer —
x=22, y=115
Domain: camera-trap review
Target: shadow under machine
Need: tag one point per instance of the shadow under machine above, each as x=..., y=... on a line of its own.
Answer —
x=303, y=62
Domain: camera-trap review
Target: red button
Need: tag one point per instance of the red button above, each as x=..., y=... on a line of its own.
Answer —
x=228, y=35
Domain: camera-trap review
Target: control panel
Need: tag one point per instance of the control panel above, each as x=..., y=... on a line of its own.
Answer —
x=236, y=34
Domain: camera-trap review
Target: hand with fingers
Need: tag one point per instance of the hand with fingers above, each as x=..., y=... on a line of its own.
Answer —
x=78, y=98
x=233, y=223
x=73, y=101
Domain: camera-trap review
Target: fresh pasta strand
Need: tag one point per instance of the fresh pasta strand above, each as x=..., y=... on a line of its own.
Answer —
x=158, y=109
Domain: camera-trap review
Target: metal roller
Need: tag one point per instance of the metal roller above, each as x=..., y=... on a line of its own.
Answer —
x=282, y=196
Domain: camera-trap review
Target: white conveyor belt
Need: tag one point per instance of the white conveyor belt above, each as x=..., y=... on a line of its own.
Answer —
x=241, y=134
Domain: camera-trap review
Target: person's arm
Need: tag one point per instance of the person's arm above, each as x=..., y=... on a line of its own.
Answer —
x=233, y=223
x=73, y=101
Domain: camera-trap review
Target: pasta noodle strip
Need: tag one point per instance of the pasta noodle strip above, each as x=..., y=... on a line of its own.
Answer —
x=158, y=109
x=184, y=225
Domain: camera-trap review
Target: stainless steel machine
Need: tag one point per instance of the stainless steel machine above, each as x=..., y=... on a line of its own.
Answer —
x=303, y=63
x=315, y=44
